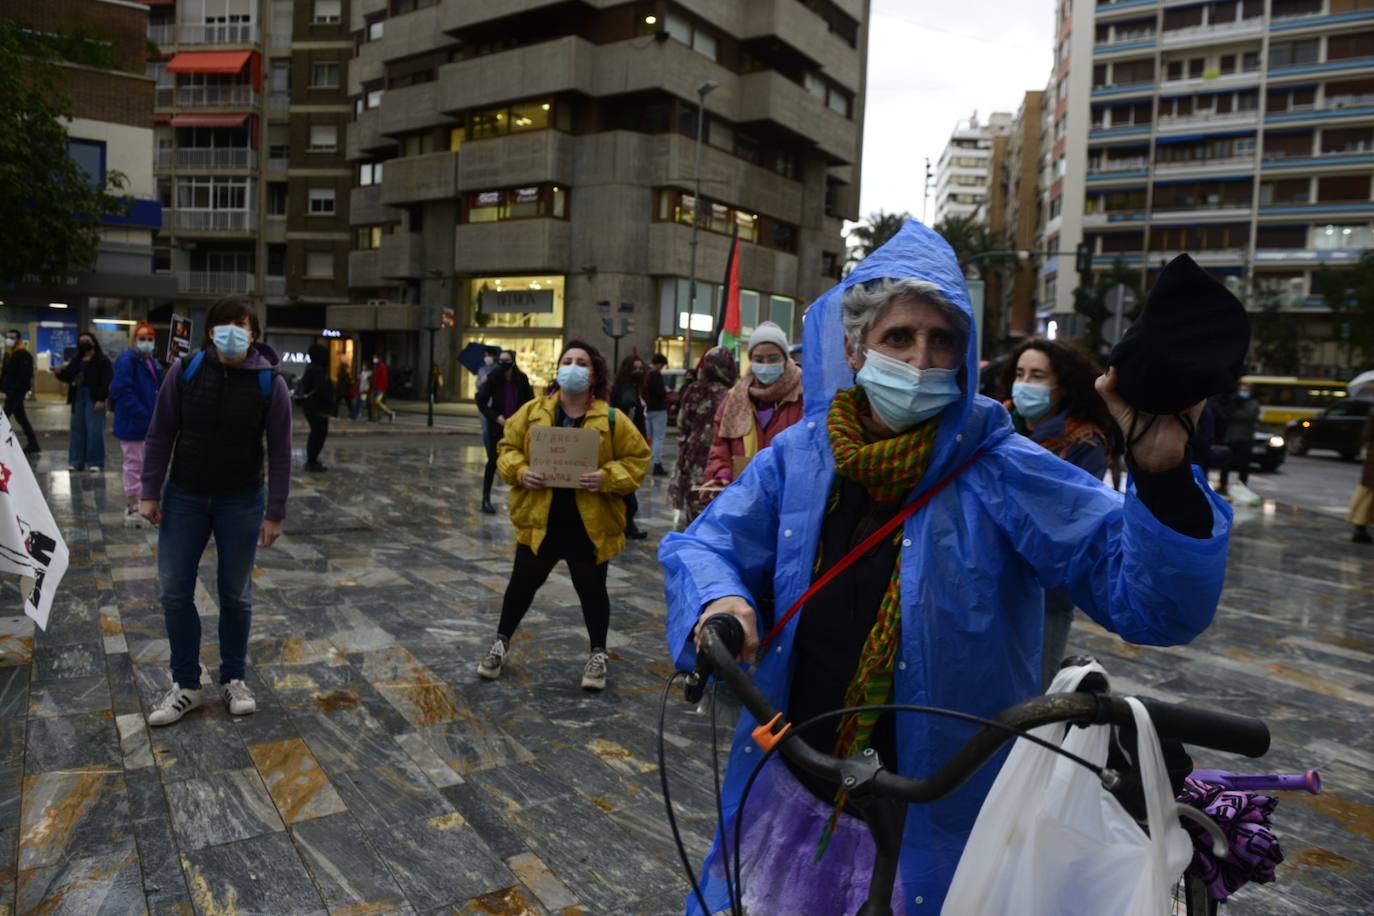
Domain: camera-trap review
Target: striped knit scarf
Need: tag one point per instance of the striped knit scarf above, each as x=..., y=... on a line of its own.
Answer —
x=887, y=469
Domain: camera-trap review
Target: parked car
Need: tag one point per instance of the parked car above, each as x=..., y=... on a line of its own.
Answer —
x=1336, y=428
x=1268, y=451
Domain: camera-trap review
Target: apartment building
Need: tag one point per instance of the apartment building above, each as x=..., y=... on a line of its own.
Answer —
x=250, y=114
x=1020, y=215
x=1241, y=131
x=101, y=46
x=964, y=172
x=523, y=170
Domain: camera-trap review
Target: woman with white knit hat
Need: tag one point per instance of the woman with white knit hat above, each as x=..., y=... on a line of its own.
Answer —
x=766, y=400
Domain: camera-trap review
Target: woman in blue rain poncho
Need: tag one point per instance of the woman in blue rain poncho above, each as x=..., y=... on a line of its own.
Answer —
x=950, y=612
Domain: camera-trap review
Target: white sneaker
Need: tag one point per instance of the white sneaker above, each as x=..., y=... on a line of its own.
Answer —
x=489, y=668
x=594, y=675
x=177, y=703
x=238, y=698
x=133, y=520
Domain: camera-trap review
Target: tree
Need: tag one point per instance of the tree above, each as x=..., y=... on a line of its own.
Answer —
x=1090, y=301
x=1349, y=294
x=871, y=234
x=1276, y=334
x=50, y=209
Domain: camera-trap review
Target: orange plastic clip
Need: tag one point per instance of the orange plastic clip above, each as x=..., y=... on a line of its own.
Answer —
x=766, y=738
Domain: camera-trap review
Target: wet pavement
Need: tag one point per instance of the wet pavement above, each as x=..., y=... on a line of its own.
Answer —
x=381, y=775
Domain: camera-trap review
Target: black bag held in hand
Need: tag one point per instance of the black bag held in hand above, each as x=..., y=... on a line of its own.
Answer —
x=1189, y=343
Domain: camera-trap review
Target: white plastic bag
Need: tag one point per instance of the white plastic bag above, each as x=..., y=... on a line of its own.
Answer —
x=1051, y=841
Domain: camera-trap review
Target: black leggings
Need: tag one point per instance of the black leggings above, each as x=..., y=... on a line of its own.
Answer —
x=14, y=407
x=588, y=578
x=319, y=429
x=490, y=434
x=1240, y=461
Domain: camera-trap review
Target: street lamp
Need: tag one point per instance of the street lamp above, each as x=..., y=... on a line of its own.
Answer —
x=703, y=91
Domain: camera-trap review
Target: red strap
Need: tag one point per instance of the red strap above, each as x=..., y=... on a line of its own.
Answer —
x=864, y=547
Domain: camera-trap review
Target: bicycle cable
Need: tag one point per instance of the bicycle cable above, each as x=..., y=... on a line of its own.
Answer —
x=667, y=801
x=884, y=707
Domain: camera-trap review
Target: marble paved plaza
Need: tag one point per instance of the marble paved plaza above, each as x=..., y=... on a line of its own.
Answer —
x=381, y=776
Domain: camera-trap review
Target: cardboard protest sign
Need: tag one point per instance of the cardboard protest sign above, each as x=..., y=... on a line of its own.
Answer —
x=179, y=340
x=563, y=454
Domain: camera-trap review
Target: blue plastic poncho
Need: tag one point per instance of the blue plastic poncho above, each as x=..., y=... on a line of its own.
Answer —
x=975, y=563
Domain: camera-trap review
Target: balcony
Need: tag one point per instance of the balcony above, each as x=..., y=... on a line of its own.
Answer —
x=401, y=256
x=529, y=245
x=362, y=269
x=1113, y=217
x=1357, y=155
x=413, y=179
x=562, y=65
x=183, y=220
x=365, y=206
x=163, y=35
x=1109, y=166
x=1126, y=89
x=518, y=159
x=781, y=21
x=206, y=160
x=410, y=109
x=1207, y=119
x=219, y=33
x=760, y=268
x=214, y=282
x=1212, y=33
x=214, y=97
x=770, y=96
x=1207, y=166
x=277, y=164
x=274, y=287
x=364, y=136
x=274, y=228
x=1334, y=108
x=278, y=100
x=1113, y=7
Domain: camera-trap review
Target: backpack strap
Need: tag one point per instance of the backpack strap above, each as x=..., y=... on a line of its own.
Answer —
x=265, y=383
x=193, y=366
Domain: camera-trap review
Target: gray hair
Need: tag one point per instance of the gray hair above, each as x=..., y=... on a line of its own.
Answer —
x=864, y=303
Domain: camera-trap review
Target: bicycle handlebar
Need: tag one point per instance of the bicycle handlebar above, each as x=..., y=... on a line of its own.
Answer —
x=720, y=642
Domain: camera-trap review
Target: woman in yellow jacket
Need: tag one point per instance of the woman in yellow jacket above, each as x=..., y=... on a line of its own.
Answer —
x=584, y=527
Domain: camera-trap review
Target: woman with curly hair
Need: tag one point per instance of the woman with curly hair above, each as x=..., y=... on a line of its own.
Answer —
x=1054, y=403
x=585, y=527
x=695, y=428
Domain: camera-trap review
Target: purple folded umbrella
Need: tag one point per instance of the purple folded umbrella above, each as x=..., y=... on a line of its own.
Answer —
x=1244, y=818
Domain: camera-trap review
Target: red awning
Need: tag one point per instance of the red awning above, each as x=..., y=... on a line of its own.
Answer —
x=228, y=120
x=209, y=62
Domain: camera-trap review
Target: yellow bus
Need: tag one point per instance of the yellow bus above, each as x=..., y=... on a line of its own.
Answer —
x=1284, y=398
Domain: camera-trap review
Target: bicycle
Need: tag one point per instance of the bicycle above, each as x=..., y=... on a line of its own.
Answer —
x=880, y=797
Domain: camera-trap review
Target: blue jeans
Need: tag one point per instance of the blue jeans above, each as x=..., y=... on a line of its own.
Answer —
x=188, y=520
x=87, y=446
x=658, y=431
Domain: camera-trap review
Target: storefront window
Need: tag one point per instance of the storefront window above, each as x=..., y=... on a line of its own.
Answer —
x=530, y=116
x=516, y=302
x=537, y=357
x=515, y=203
x=781, y=310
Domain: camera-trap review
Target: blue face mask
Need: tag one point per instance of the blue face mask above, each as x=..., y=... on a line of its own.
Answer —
x=146, y=347
x=574, y=379
x=230, y=340
x=1031, y=400
x=902, y=395
x=767, y=373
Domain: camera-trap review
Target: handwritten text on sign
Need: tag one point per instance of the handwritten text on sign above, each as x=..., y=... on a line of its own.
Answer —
x=563, y=454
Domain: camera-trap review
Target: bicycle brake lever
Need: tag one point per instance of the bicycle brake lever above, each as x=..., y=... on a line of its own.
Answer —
x=1221, y=847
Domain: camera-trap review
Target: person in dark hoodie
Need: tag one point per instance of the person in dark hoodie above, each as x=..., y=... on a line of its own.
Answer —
x=16, y=378
x=503, y=391
x=88, y=379
x=213, y=413
x=318, y=404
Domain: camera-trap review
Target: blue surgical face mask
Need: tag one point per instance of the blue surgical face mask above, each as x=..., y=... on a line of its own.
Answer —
x=767, y=373
x=146, y=347
x=230, y=340
x=1031, y=400
x=903, y=395
x=574, y=379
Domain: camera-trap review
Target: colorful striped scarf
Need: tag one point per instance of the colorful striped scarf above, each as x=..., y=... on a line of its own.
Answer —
x=888, y=469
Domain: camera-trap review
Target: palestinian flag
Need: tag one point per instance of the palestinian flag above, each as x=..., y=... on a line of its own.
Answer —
x=728, y=329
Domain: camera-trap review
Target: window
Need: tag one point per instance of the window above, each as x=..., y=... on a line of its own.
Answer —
x=321, y=202
x=1343, y=188
x=1293, y=53
x=529, y=202
x=324, y=138
x=704, y=43
x=327, y=12
x=1286, y=191
x=689, y=33
x=375, y=29
x=409, y=6
x=781, y=311
x=369, y=173
x=1345, y=47
x=319, y=265
x=324, y=76
x=1353, y=237
x=456, y=137
x=369, y=238
x=276, y=198
x=815, y=85
x=678, y=28
x=1349, y=140
x=276, y=260
x=417, y=144
x=89, y=156
x=530, y=116
x=1279, y=237
x=373, y=99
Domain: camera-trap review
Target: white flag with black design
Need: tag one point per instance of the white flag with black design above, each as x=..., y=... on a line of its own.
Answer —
x=30, y=543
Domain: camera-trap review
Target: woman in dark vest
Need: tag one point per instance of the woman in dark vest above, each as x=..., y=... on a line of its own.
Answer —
x=88, y=379
x=214, y=413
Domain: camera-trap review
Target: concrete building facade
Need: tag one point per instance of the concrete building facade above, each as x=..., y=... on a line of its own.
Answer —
x=523, y=170
x=1241, y=131
x=101, y=74
x=251, y=114
x=963, y=175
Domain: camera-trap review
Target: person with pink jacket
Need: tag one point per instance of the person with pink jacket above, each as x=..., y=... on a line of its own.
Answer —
x=766, y=400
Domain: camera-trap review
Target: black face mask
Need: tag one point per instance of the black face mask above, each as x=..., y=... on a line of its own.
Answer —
x=84, y=347
x=505, y=366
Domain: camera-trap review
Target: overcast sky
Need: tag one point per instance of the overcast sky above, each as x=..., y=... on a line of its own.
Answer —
x=932, y=62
